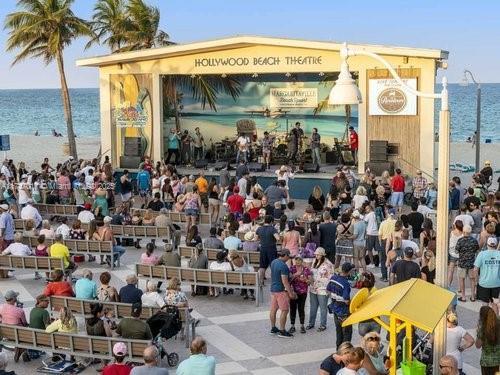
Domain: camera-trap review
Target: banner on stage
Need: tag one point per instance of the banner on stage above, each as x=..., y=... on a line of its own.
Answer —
x=389, y=98
x=288, y=97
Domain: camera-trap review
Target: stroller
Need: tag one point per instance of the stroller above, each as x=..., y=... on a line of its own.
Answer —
x=165, y=324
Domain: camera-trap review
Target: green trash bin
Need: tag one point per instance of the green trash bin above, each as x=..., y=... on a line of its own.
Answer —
x=413, y=367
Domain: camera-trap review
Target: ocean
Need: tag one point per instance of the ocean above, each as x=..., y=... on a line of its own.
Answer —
x=27, y=111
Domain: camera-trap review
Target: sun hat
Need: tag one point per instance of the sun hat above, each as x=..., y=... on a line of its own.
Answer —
x=120, y=349
x=492, y=241
x=249, y=236
x=356, y=214
x=320, y=251
x=10, y=294
x=107, y=219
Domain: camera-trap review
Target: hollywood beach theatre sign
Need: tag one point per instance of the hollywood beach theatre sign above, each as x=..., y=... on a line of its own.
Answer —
x=389, y=98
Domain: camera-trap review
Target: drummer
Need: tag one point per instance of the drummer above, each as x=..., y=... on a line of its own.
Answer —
x=267, y=146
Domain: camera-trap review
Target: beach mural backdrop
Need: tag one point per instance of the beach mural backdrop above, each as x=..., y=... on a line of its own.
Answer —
x=274, y=101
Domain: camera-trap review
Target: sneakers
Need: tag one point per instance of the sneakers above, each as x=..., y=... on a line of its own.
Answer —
x=302, y=329
x=371, y=265
x=292, y=329
x=310, y=326
x=384, y=279
x=285, y=335
x=274, y=331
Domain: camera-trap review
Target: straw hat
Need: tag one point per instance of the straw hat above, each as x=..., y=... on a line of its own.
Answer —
x=249, y=236
x=320, y=251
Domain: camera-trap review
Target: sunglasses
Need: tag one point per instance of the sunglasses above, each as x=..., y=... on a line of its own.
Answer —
x=444, y=366
x=373, y=338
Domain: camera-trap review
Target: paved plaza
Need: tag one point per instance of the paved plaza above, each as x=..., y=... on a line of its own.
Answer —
x=236, y=330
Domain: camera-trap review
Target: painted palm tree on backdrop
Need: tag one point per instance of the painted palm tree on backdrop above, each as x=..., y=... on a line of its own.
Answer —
x=128, y=25
x=42, y=29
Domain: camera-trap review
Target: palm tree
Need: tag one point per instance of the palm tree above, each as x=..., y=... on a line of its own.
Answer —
x=43, y=28
x=110, y=23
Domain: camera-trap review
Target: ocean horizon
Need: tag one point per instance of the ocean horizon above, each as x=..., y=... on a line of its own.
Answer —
x=25, y=111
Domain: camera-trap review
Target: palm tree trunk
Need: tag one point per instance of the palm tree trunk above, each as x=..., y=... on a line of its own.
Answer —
x=67, y=106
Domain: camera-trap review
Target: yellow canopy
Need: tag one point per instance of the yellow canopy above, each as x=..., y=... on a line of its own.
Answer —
x=415, y=301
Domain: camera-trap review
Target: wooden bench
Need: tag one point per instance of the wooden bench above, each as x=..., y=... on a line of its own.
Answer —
x=140, y=232
x=19, y=224
x=45, y=264
x=120, y=310
x=218, y=279
x=69, y=343
x=204, y=218
x=56, y=209
x=92, y=247
x=251, y=257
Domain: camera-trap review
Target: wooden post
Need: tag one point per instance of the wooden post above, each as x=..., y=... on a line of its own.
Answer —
x=392, y=344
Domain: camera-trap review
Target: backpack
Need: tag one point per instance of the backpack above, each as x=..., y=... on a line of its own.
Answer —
x=483, y=193
x=308, y=250
x=103, y=294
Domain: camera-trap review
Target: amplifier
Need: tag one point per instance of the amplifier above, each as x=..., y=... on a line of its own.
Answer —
x=378, y=156
x=256, y=167
x=331, y=157
x=347, y=158
x=393, y=149
x=202, y=163
x=378, y=167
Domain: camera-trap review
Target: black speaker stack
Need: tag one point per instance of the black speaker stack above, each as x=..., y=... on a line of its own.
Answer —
x=379, y=154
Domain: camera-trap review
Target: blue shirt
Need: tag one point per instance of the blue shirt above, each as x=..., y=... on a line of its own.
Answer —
x=340, y=290
x=232, y=243
x=173, y=141
x=85, y=289
x=130, y=294
x=266, y=236
x=488, y=262
x=143, y=180
x=7, y=226
x=278, y=269
x=197, y=364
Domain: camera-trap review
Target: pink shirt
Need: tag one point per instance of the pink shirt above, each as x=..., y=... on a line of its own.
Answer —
x=11, y=314
x=152, y=260
x=291, y=242
x=64, y=186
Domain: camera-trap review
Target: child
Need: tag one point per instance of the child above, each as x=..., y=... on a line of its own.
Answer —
x=41, y=251
x=277, y=210
x=108, y=317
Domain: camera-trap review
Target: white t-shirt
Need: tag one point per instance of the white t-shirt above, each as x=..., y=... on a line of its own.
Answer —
x=243, y=143
x=152, y=299
x=424, y=210
x=358, y=201
x=454, y=338
x=465, y=219
x=23, y=195
x=17, y=249
x=242, y=184
x=409, y=243
x=89, y=182
x=63, y=229
x=224, y=266
x=30, y=212
x=371, y=224
x=86, y=216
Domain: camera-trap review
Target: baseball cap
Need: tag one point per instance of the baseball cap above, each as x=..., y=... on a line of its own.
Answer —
x=87, y=206
x=284, y=252
x=347, y=267
x=107, y=219
x=408, y=252
x=492, y=241
x=120, y=349
x=10, y=294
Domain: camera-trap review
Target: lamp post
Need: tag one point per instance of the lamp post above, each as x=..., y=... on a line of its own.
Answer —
x=345, y=91
x=465, y=82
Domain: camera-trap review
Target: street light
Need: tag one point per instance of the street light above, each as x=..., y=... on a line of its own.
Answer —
x=345, y=91
x=465, y=82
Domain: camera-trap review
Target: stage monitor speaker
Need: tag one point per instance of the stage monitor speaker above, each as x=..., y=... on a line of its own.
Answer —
x=311, y=168
x=378, y=167
x=256, y=167
x=347, y=158
x=132, y=146
x=220, y=165
x=378, y=156
x=202, y=163
x=393, y=149
x=331, y=157
x=131, y=162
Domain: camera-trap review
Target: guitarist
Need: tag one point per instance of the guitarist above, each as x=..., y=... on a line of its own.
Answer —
x=243, y=143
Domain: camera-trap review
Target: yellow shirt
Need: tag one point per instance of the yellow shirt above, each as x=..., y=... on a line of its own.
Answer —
x=386, y=228
x=58, y=250
x=202, y=185
x=57, y=326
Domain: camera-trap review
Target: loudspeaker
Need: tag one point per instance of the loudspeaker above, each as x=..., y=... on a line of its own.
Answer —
x=202, y=163
x=311, y=168
x=377, y=143
x=393, y=149
x=132, y=146
x=347, y=158
x=378, y=167
x=220, y=165
x=378, y=156
x=256, y=167
x=331, y=157
x=130, y=162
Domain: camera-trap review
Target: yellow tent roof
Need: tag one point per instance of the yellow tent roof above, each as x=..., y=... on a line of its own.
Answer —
x=416, y=301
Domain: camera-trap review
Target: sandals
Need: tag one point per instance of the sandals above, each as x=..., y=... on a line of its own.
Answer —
x=462, y=299
x=472, y=299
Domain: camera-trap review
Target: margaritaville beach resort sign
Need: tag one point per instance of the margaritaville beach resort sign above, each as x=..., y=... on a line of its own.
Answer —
x=285, y=97
x=387, y=98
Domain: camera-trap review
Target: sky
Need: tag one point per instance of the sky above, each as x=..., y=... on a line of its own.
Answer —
x=469, y=30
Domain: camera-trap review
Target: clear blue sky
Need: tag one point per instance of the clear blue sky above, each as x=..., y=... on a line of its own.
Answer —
x=469, y=30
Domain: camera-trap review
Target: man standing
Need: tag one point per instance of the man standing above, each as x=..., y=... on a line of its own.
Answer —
x=454, y=201
x=173, y=146
x=384, y=232
x=281, y=293
x=419, y=185
x=415, y=219
x=6, y=227
x=275, y=193
x=199, y=143
x=186, y=147
x=340, y=291
x=372, y=243
x=30, y=212
x=242, y=184
x=466, y=249
x=144, y=185
x=315, y=147
x=405, y=269
x=268, y=236
x=358, y=241
x=202, y=184
x=328, y=236
x=487, y=264
x=353, y=144
x=297, y=135
x=398, y=190
x=243, y=144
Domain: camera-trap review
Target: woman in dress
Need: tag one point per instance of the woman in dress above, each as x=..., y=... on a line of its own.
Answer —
x=192, y=207
x=193, y=237
x=213, y=200
x=300, y=278
x=427, y=237
x=35, y=189
x=100, y=206
x=291, y=239
x=488, y=339
x=76, y=232
x=322, y=269
x=455, y=234
x=428, y=270
x=254, y=206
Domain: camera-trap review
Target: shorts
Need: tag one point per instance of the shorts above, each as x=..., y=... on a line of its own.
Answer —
x=191, y=212
x=267, y=256
x=213, y=202
x=464, y=272
x=487, y=294
x=280, y=300
x=453, y=259
x=266, y=152
x=144, y=193
x=397, y=199
x=358, y=251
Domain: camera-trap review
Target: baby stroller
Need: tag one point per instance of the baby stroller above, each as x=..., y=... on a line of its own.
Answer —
x=165, y=324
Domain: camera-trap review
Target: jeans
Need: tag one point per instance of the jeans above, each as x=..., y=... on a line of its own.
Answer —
x=316, y=158
x=316, y=300
x=118, y=251
x=383, y=258
x=245, y=156
x=170, y=152
x=397, y=199
x=298, y=304
x=344, y=334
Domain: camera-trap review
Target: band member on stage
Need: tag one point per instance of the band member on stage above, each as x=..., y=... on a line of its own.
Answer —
x=186, y=147
x=315, y=144
x=243, y=143
x=353, y=144
x=267, y=146
x=297, y=134
x=173, y=146
x=199, y=143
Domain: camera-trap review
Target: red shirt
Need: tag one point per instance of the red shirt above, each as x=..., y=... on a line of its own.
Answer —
x=115, y=369
x=59, y=288
x=235, y=203
x=398, y=184
x=353, y=140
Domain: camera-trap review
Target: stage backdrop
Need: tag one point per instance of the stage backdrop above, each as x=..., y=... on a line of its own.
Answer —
x=274, y=102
